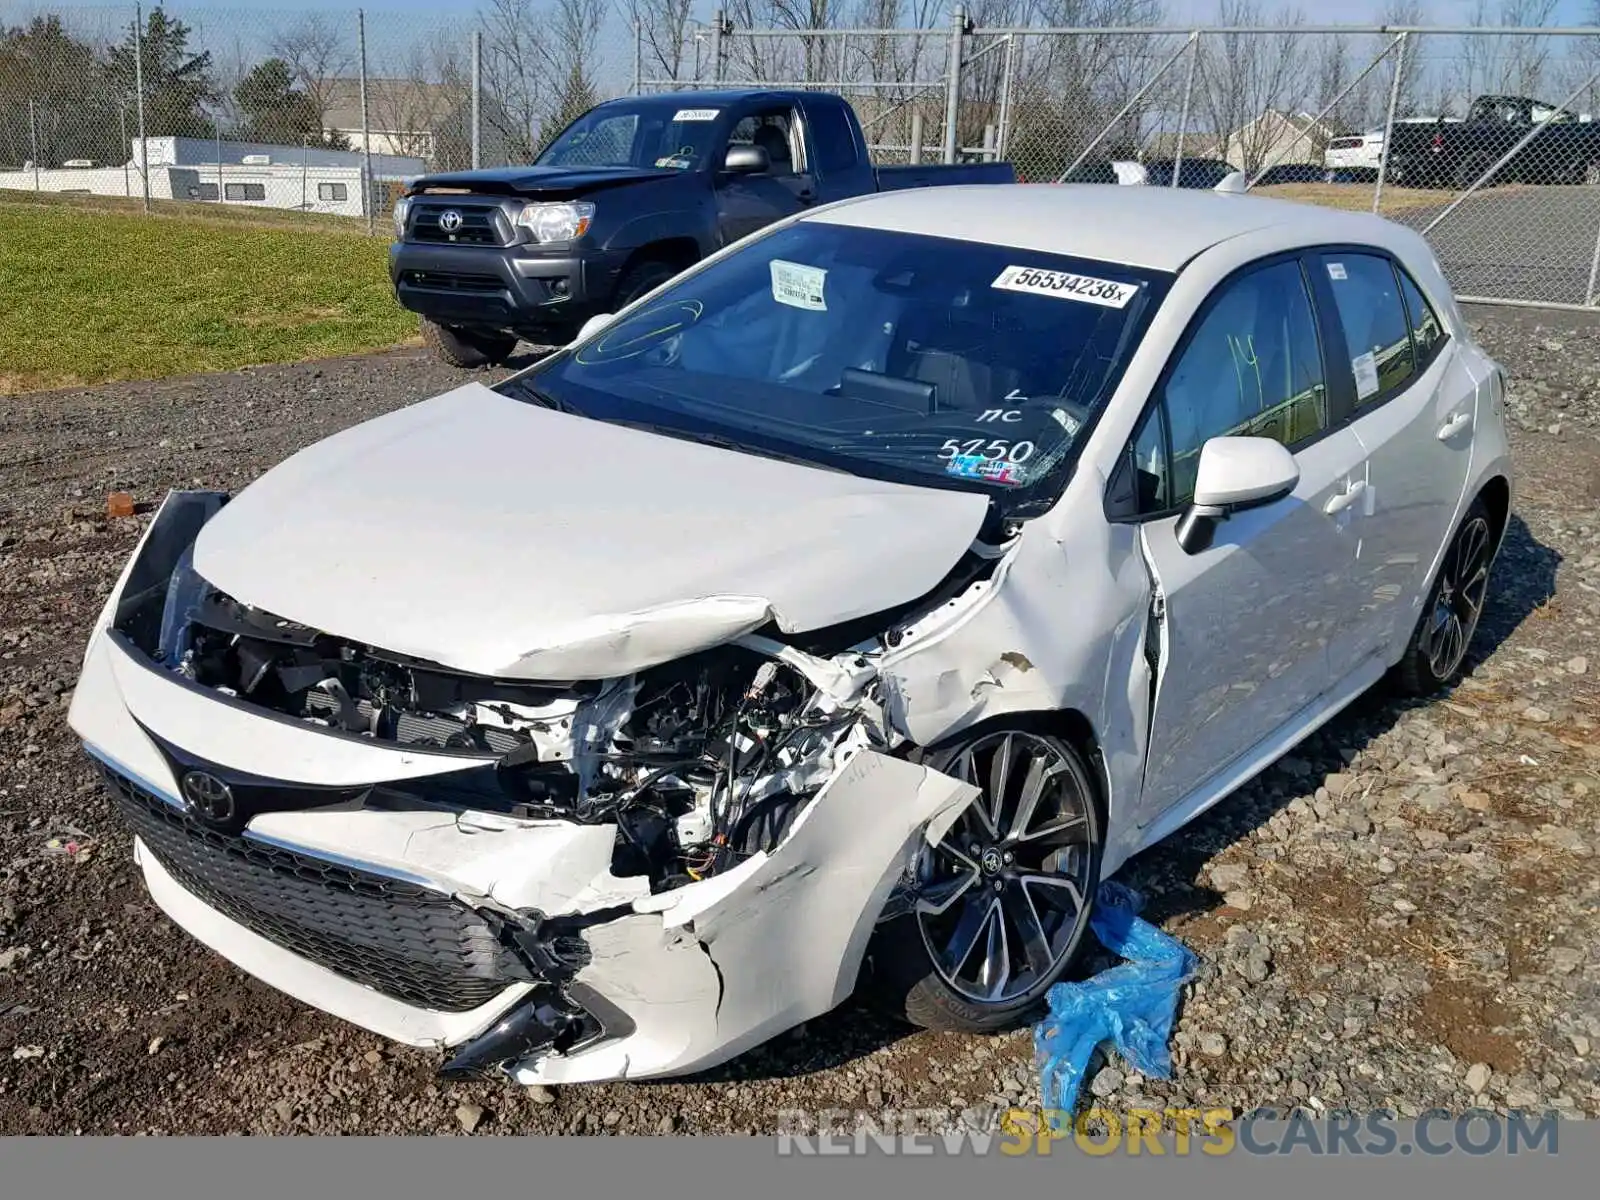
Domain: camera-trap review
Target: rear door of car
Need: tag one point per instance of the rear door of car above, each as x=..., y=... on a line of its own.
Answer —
x=1415, y=409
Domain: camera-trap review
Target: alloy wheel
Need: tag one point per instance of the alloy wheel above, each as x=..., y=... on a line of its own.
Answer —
x=1458, y=598
x=1003, y=898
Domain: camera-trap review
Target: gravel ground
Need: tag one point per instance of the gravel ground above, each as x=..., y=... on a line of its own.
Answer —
x=1404, y=913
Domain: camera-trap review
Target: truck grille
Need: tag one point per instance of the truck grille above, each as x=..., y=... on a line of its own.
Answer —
x=478, y=226
x=416, y=945
x=453, y=281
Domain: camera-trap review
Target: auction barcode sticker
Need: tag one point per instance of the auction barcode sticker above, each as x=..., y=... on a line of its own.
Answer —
x=1105, y=292
x=696, y=114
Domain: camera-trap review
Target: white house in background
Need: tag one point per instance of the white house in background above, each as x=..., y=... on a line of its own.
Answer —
x=1276, y=137
x=253, y=174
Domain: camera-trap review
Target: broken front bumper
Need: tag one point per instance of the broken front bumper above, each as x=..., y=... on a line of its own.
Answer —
x=507, y=939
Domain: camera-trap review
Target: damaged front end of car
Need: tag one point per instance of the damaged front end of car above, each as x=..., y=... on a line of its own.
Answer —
x=615, y=877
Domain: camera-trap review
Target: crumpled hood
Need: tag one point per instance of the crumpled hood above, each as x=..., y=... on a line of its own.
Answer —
x=501, y=538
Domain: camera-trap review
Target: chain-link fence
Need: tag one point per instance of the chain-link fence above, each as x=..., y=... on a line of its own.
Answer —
x=1483, y=137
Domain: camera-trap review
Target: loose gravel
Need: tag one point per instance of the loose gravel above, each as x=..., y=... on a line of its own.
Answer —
x=1404, y=913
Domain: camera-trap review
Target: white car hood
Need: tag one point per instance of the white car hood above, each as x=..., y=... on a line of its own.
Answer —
x=501, y=538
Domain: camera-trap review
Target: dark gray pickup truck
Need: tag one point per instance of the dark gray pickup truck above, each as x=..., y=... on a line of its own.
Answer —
x=629, y=194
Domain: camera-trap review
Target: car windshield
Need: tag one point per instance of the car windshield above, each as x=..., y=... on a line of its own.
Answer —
x=659, y=132
x=890, y=355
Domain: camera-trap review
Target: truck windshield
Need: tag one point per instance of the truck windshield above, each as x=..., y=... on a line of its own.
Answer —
x=661, y=132
x=896, y=356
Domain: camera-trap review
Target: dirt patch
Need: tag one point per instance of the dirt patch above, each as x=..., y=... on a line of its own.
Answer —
x=1471, y=1023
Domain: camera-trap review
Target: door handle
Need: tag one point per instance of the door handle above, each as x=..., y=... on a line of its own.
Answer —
x=1345, y=498
x=1459, y=423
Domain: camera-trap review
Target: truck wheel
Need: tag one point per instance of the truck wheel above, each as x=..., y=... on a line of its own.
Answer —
x=1001, y=905
x=640, y=278
x=467, y=347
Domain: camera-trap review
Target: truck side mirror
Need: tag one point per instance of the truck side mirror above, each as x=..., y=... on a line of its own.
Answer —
x=746, y=160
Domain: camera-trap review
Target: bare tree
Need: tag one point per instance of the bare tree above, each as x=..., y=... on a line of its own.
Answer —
x=318, y=51
x=665, y=30
x=540, y=64
x=1251, y=84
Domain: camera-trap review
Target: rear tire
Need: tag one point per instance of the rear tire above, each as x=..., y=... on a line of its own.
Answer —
x=992, y=929
x=640, y=278
x=467, y=348
x=1450, y=616
x=1471, y=168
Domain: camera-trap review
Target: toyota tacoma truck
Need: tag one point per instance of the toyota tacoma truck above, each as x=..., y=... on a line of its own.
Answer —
x=628, y=195
x=1565, y=150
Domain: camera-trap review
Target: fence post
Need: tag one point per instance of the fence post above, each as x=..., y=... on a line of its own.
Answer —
x=477, y=99
x=952, y=95
x=1188, y=98
x=1388, y=122
x=988, y=143
x=122, y=128
x=638, y=71
x=716, y=46
x=1591, y=297
x=916, y=136
x=33, y=142
x=138, y=88
x=366, y=129
x=1003, y=142
x=220, y=186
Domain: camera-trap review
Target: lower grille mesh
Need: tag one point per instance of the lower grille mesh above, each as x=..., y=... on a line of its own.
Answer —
x=408, y=942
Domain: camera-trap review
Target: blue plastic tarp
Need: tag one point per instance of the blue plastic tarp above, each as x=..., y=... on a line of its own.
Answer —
x=1131, y=1006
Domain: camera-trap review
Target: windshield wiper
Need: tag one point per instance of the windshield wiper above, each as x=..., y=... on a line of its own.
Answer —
x=526, y=391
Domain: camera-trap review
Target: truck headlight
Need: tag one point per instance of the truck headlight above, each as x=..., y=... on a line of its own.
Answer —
x=402, y=207
x=563, y=222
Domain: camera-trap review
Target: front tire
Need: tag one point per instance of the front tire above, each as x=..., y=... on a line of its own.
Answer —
x=1455, y=603
x=467, y=348
x=1001, y=905
x=640, y=278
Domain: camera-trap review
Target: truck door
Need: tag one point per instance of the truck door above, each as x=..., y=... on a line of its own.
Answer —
x=748, y=202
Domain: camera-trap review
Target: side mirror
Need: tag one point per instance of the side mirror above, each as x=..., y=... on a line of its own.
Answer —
x=1235, y=473
x=594, y=325
x=746, y=160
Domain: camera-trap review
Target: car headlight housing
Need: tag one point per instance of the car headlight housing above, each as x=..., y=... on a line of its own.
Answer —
x=402, y=208
x=566, y=221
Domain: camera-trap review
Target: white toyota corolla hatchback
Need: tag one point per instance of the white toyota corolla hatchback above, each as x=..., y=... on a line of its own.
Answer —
x=839, y=614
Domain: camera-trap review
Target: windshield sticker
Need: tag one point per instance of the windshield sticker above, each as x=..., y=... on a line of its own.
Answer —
x=989, y=470
x=696, y=114
x=1064, y=284
x=1336, y=271
x=1366, y=368
x=673, y=161
x=799, y=286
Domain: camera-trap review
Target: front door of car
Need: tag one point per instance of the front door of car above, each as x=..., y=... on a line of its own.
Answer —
x=1415, y=407
x=1242, y=629
x=748, y=202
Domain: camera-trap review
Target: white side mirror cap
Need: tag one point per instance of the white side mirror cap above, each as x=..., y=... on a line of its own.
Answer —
x=594, y=325
x=1239, y=472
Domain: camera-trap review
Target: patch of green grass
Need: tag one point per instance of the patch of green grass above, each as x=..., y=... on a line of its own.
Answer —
x=88, y=296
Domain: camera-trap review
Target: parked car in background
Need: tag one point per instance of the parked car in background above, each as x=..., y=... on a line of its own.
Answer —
x=629, y=194
x=1093, y=171
x=1566, y=149
x=1191, y=172
x=1364, y=151
x=844, y=610
x=1292, y=173
x=1350, y=175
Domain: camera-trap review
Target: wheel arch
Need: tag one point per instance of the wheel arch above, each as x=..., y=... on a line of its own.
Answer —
x=1496, y=496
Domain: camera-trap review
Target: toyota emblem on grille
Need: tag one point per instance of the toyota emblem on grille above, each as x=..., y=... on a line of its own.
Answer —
x=449, y=220
x=208, y=798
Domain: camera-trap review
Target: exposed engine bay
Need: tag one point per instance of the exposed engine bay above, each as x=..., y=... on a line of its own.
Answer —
x=700, y=763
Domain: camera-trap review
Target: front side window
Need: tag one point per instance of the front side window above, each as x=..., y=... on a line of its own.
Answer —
x=774, y=131
x=890, y=355
x=1376, y=332
x=1253, y=368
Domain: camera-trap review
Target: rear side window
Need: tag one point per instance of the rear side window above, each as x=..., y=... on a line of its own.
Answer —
x=1253, y=368
x=1376, y=330
x=1427, y=332
x=835, y=141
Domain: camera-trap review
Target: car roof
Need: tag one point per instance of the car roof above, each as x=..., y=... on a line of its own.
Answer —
x=1156, y=228
x=709, y=96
